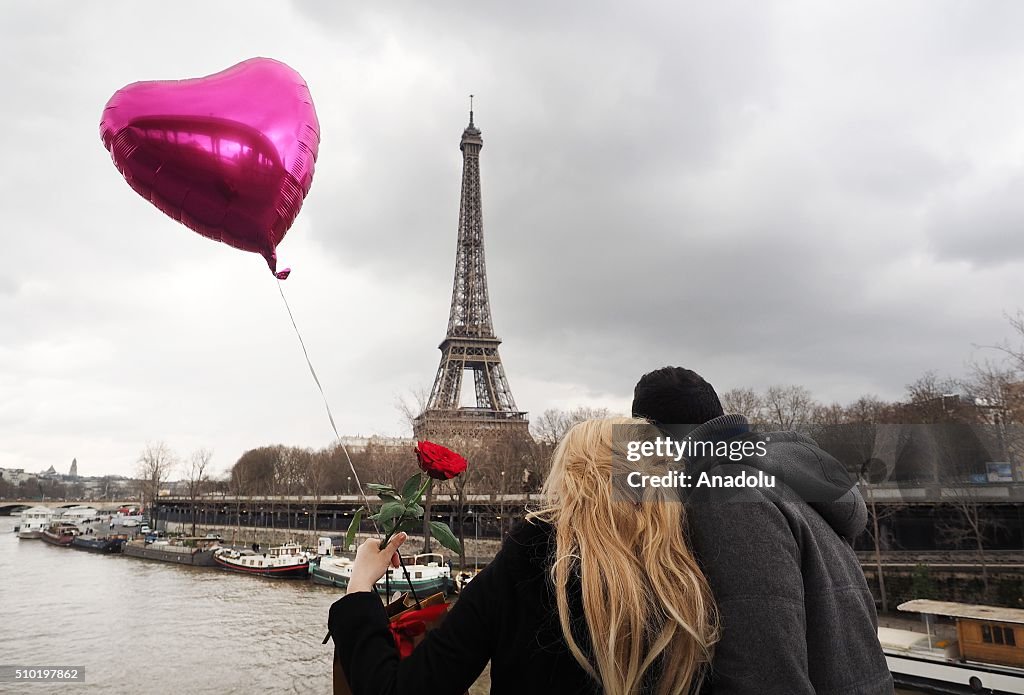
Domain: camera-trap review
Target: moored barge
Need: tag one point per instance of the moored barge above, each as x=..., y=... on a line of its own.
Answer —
x=188, y=550
x=60, y=534
x=34, y=521
x=112, y=544
x=986, y=656
x=288, y=561
x=427, y=573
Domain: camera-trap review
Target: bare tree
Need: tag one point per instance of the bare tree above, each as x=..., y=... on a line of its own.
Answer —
x=290, y=467
x=154, y=469
x=7, y=489
x=1014, y=351
x=552, y=425
x=317, y=465
x=745, y=402
x=961, y=450
x=866, y=409
x=933, y=399
x=997, y=392
x=198, y=477
x=972, y=526
x=255, y=470
x=237, y=485
x=391, y=465
x=787, y=407
x=865, y=436
x=412, y=404
x=830, y=415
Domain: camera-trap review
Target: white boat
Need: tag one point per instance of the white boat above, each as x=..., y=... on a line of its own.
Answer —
x=428, y=574
x=288, y=561
x=985, y=657
x=80, y=515
x=34, y=521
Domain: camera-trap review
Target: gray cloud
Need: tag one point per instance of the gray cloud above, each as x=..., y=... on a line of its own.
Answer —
x=985, y=227
x=805, y=193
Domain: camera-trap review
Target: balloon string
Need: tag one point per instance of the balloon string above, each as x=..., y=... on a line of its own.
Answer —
x=323, y=396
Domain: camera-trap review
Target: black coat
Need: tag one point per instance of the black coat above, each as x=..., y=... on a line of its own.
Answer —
x=797, y=617
x=506, y=615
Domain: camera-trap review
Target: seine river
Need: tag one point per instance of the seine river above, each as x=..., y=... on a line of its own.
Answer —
x=143, y=627
x=138, y=626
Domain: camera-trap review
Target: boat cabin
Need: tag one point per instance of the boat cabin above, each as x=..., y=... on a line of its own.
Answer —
x=285, y=550
x=36, y=518
x=328, y=545
x=62, y=528
x=201, y=542
x=984, y=633
x=80, y=514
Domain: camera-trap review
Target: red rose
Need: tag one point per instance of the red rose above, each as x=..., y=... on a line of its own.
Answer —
x=439, y=462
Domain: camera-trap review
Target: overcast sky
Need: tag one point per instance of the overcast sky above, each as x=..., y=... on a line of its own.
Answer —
x=825, y=194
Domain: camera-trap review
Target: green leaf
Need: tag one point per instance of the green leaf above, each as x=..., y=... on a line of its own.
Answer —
x=412, y=487
x=389, y=497
x=353, y=528
x=389, y=511
x=411, y=525
x=414, y=511
x=444, y=536
x=378, y=488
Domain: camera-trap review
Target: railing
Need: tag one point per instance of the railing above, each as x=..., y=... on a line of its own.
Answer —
x=936, y=493
x=887, y=493
x=217, y=498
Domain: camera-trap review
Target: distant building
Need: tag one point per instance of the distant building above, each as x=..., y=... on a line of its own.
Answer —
x=73, y=471
x=360, y=444
x=16, y=476
x=48, y=473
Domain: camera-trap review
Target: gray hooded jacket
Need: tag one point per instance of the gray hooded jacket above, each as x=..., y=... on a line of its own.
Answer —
x=796, y=614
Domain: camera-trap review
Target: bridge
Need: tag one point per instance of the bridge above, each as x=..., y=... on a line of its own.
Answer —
x=12, y=507
x=486, y=516
x=909, y=514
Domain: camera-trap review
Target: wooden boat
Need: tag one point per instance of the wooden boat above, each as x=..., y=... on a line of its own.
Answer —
x=186, y=550
x=428, y=574
x=60, y=534
x=987, y=654
x=288, y=561
x=110, y=544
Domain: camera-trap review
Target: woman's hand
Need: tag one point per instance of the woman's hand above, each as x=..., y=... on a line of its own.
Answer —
x=372, y=562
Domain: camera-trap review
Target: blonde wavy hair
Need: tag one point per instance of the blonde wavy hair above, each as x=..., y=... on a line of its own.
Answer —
x=646, y=602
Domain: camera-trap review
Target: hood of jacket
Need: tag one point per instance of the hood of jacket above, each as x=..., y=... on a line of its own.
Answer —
x=797, y=462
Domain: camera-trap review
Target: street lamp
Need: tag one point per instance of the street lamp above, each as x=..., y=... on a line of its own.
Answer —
x=476, y=539
x=501, y=525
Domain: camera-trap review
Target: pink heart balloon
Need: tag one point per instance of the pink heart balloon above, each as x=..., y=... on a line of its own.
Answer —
x=229, y=155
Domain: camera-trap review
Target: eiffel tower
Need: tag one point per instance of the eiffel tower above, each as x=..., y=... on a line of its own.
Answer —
x=470, y=344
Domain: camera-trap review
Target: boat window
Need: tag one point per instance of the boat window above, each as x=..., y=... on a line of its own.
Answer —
x=997, y=634
x=419, y=575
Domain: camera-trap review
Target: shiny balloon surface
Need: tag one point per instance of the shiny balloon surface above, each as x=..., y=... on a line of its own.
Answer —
x=230, y=155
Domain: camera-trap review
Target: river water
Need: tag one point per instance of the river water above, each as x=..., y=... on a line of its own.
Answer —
x=138, y=626
x=144, y=627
